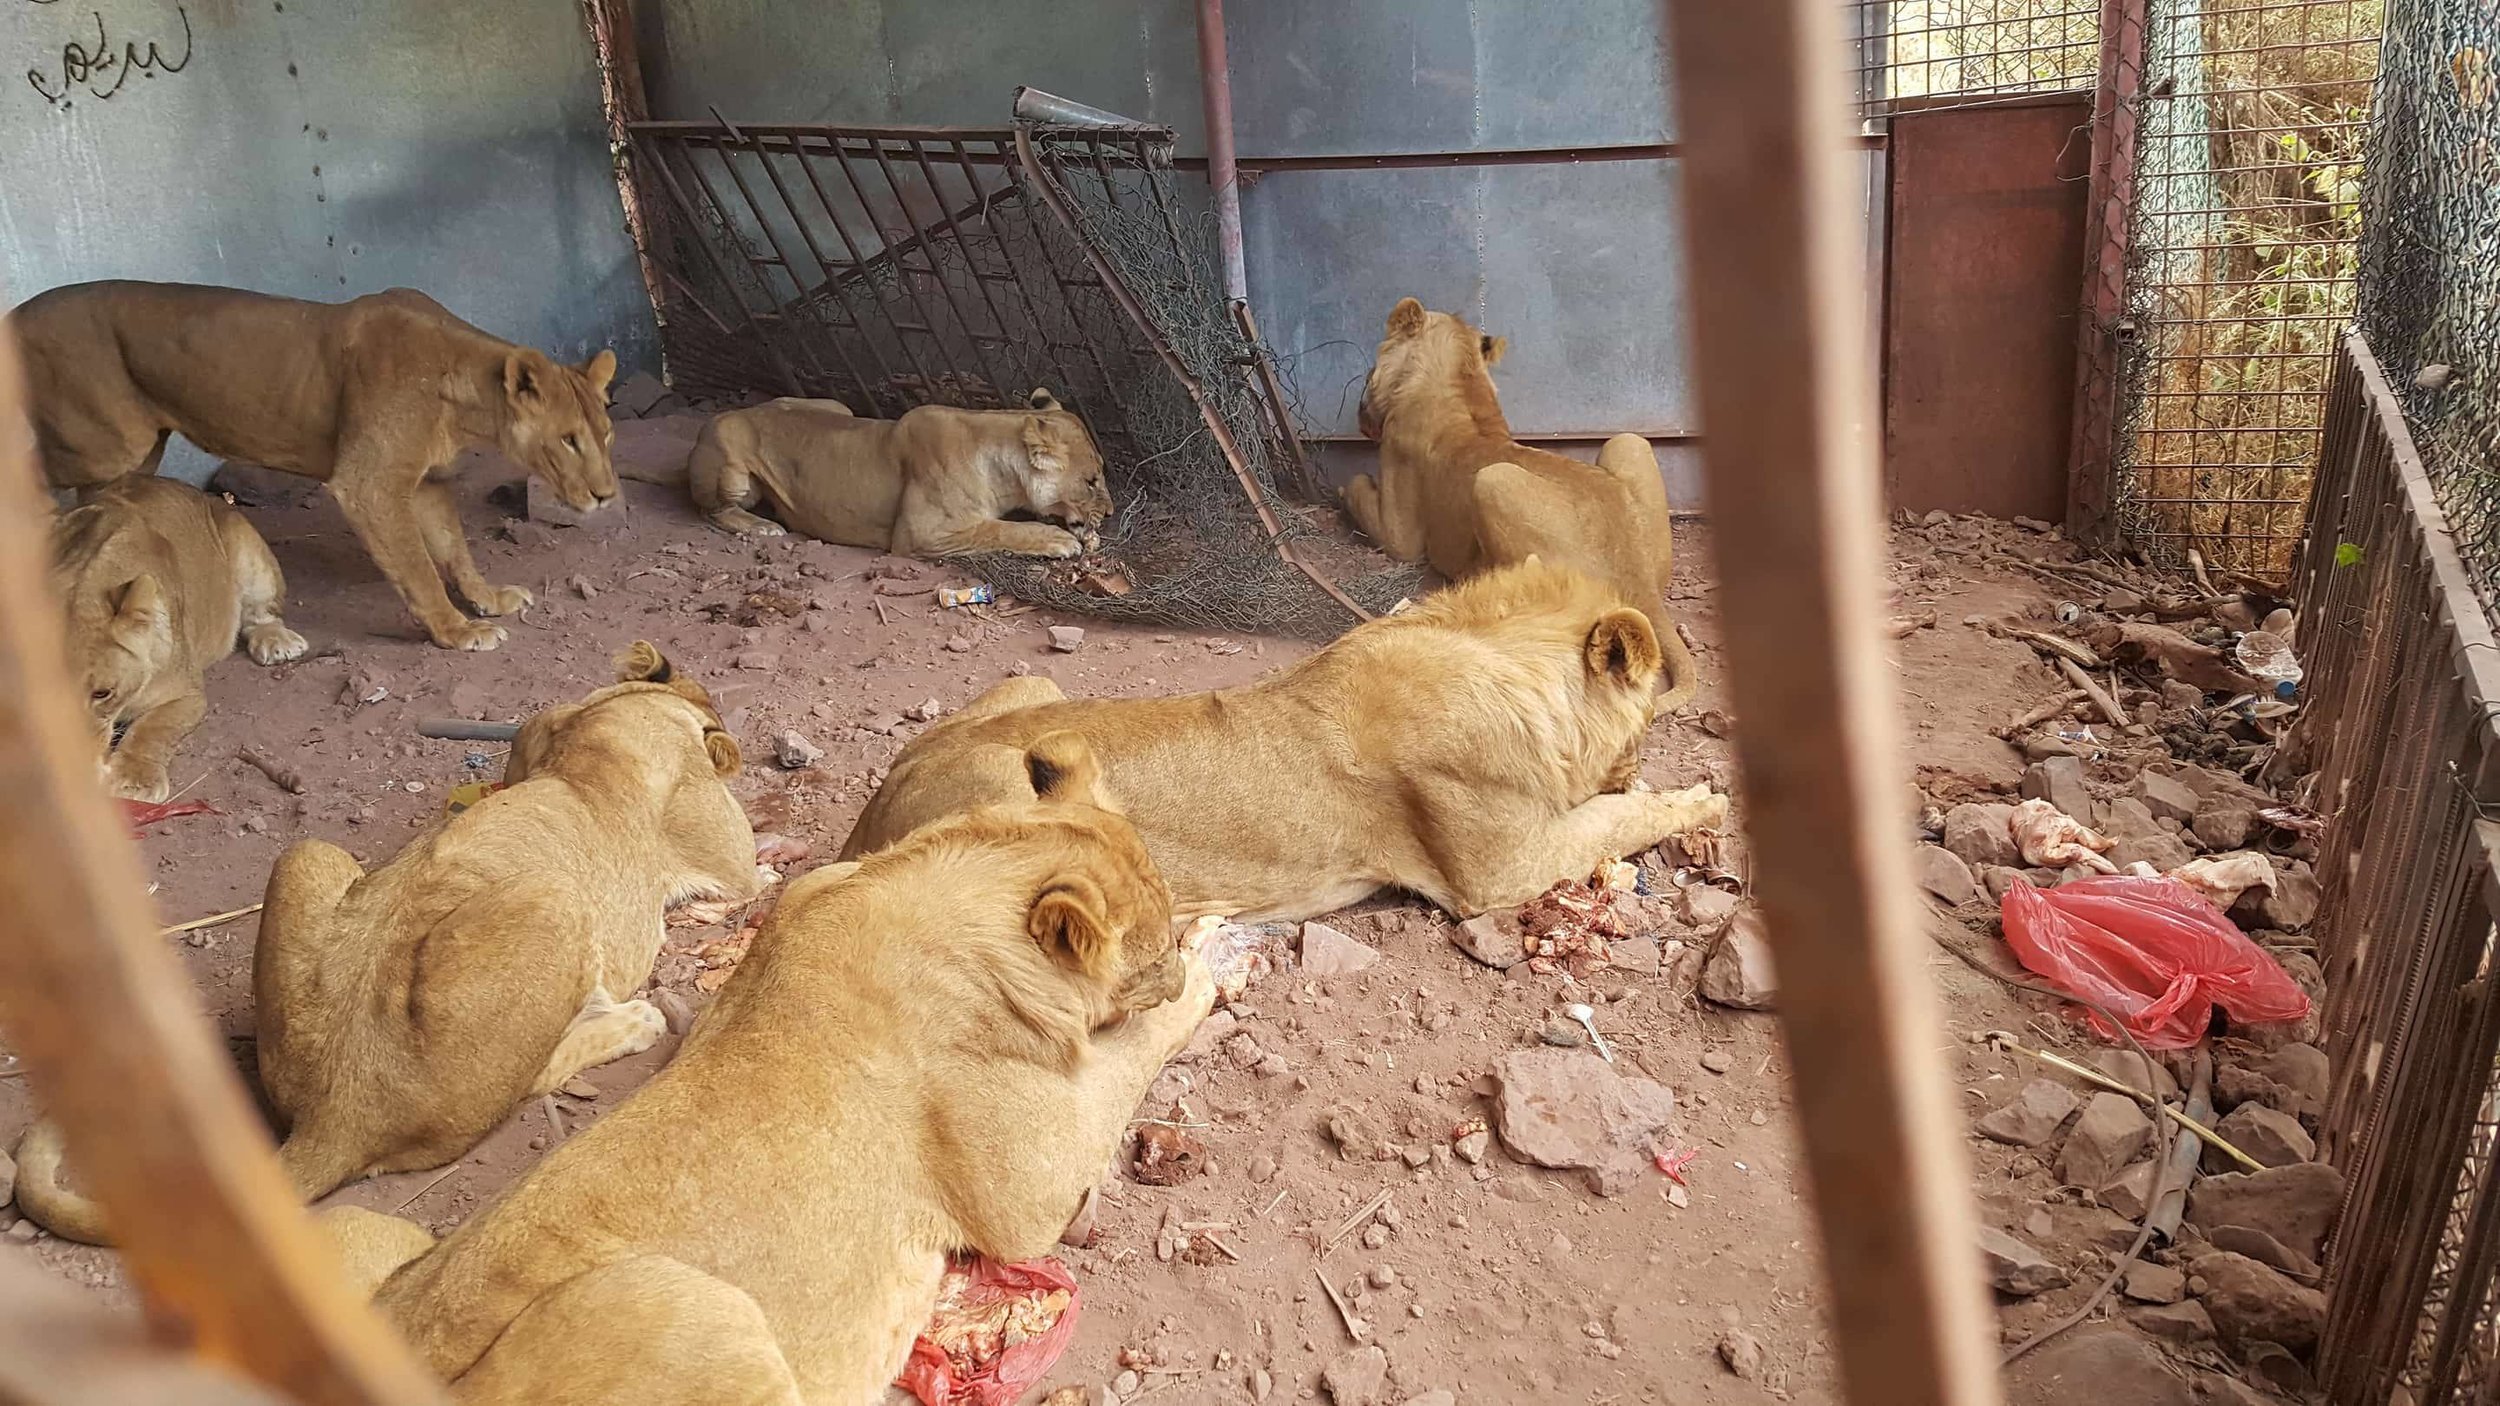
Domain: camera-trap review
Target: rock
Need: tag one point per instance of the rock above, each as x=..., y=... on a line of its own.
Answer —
x=762, y=661
x=1717, y=1061
x=2162, y=850
x=1356, y=1139
x=2235, y=1084
x=1738, y=970
x=1210, y=1037
x=2273, y=1365
x=2164, y=797
x=1708, y=908
x=1472, y=1146
x=24, y=1231
x=1356, y=1377
x=1941, y=872
x=2185, y=1323
x=2015, y=1268
x=1563, y=1034
x=2265, y=1250
x=676, y=1010
x=796, y=753
x=1998, y=880
x=2131, y=1069
x=2060, y=782
x=1491, y=938
x=2223, y=824
x=2130, y=1193
x=2108, y=1135
x=2095, y=1366
x=2033, y=1117
x=1982, y=834
x=1128, y=1383
x=1067, y=639
x=1563, y=1108
x=2303, y=1070
x=8, y=1179
x=2273, y=1138
x=544, y=506
x=2290, y=906
x=2179, y=697
x=1741, y=1353
x=582, y=587
x=1638, y=955
x=2147, y=1282
x=2128, y=818
x=2252, y=1303
x=2295, y=1204
x=1328, y=952
x=927, y=710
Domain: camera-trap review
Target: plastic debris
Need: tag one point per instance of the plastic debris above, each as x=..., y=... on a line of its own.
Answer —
x=140, y=815
x=957, y=597
x=2155, y=952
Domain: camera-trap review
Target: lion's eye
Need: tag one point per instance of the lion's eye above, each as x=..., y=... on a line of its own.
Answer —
x=99, y=695
x=574, y=443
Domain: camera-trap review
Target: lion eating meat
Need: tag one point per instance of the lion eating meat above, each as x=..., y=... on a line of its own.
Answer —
x=938, y=482
x=1458, y=492
x=376, y=397
x=1473, y=749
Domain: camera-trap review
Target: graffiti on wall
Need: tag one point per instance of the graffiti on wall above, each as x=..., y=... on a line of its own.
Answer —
x=98, y=62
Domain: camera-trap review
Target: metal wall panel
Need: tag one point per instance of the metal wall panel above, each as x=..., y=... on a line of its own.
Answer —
x=321, y=151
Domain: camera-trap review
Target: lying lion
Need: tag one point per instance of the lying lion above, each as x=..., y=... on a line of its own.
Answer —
x=159, y=580
x=404, y=1012
x=937, y=482
x=1473, y=749
x=376, y=397
x=930, y=1053
x=1456, y=491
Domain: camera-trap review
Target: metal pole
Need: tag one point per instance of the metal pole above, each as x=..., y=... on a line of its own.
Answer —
x=1216, y=79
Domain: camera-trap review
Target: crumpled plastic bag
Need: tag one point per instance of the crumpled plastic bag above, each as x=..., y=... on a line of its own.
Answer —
x=2156, y=952
x=996, y=1330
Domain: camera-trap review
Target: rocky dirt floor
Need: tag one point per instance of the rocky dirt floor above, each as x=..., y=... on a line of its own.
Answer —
x=1358, y=1140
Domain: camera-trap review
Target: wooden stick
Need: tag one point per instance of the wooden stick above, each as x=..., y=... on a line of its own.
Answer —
x=280, y=775
x=1354, y=1222
x=210, y=921
x=155, y=1118
x=2044, y=712
x=1780, y=311
x=2055, y=645
x=2093, y=691
x=1355, y=1328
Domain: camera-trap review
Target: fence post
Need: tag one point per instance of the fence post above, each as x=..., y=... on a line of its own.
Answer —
x=2109, y=214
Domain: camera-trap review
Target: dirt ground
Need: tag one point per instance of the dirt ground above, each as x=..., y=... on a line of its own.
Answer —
x=1496, y=1283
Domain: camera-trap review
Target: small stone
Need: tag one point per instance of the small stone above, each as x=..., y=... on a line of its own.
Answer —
x=2251, y=1303
x=1638, y=955
x=2294, y=1204
x=1328, y=952
x=1261, y=1384
x=2015, y=1268
x=1708, y=908
x=1982, y=834
x=1067, y=639
x=2108, y=1135
x=2274, y=1138
x=2147, y=1282
x=1491, y=938
x=2095, y=1366
x=1566, y=1034
x=676, y=1010
x=578, y=1087
x=2060, y=782
x=2290, y=906
x=1356, y=1377
x=2128, y=818
x=1998, y=880
x=1241, y=1051
x=1416, y=1158
x=1472, y=1146
x=1128, y=1383
x=796, y=753
x=1375, y=1236
x=2273, y=1366
x=2033, y=1117
x=2179, y=697
x=2185, y=1323
x=2265, y=1250
x=1717, y=1061
x=2130, y=1193
x=1382, y=1277
x=2222, y=824
x=927, y=710
x=2164, y=797
x=1355, y=1137
x=758, y=660
x=2039, y=1225
x=24, y=1231
x=582, y=587
x=2164, y=852
x=1942, y=873
x=1272, y=1067
x=2303, y=1070
x=1741, y=1353
x=1738, y=971
x=1211, y=1037
x=1262, y=1169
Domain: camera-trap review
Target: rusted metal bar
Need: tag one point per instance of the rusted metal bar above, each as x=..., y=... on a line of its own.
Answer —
x=1050, y=109
x=1016, y=277
x=1780, y=313
x=836, y=286
x=1028, y=186
x=720, y=269
x=1269, y=390
x=1500, y=156
x=801, y=346
x=902, y=278
x=952, y=223
x=1000, y=392
x=621, y=104
x=1118, y=288
x=2092, y=458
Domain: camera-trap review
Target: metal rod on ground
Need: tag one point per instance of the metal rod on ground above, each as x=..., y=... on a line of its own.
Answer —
x=1215, y=80
x=156, y=1122
x=462, y=730
x=1787, y=395
x=2186, y=1150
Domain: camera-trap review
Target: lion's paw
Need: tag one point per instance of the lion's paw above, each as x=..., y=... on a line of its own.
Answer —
x=648, y=1025
x=471, y=635
x=503, y=600
x=138, y=781
x=273, y=643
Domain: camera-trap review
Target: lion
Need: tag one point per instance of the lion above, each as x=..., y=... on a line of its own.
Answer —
x=376, y=397
x=927, y=1054
x=937, y=482
x=403, y=1013
x=1457, y=492
x=158, y=581
x=1473, y=749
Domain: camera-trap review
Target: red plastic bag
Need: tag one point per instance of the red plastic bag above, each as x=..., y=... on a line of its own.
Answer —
x=2157, y=953
x=996, y=1329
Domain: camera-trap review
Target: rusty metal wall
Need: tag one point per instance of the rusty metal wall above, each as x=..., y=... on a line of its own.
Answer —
x=2401, y=722
x=1987, y=212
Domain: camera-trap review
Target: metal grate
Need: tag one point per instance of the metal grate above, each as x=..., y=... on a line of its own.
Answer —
x=1942, y=52
x=2431, y=263
x=2242, y=259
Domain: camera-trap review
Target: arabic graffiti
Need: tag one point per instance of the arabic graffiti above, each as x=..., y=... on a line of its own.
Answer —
x=98, y=68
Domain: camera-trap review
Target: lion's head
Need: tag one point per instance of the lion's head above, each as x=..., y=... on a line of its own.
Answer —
x=1425, y=352
x=1104, y=912
x=120, y=640
x=1063, y=476
x=556, y=425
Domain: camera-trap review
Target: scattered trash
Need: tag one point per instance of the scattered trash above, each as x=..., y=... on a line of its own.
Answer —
x=141, y=815
x=1235, y=954
x=1674, y=1160
x=2051, y=838
x=2269, y=659
x=1587, y=1016
x=2222, y=878
x=996, y=1330
x=2155, y=952
x=467, y=794
x=1167, y=1155
x=957, y=597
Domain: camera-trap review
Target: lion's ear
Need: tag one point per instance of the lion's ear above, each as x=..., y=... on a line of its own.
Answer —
x=141, y=607
x=1624, y=648
x=1072, y=922
x=1041, y=399
x=525, y=376
x=723, y=750
x=1062, y=767
x=600, y=370
x=1493, y=348
x=1407, y=317
x=1038, y=446
x=642, y=662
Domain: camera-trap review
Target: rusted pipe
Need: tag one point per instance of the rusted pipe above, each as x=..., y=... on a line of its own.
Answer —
x=1215, y=80
x=1050, y=109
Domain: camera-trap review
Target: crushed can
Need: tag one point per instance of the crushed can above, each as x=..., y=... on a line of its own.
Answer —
x=957, y=597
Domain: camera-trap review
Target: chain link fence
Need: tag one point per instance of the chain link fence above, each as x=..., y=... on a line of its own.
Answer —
x=1943, y=53
x=2430, y=259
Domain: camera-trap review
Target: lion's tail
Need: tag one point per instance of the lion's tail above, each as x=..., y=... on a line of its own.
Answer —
x=43, y=1198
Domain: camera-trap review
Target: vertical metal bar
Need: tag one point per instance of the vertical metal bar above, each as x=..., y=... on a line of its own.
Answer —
x=781, y=252
x=1002, y=393
x=842, y=163
x=1030, y=176
x=1017, y=277
x=857, y=269
x=2092, y=457
x=1780, y=311
x=832, y=276
x=720, y=270
x=963, y=247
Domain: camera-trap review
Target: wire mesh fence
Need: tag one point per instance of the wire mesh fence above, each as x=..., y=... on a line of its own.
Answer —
x=2430, y=261
x=1940, y=52
x=2242, y=261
